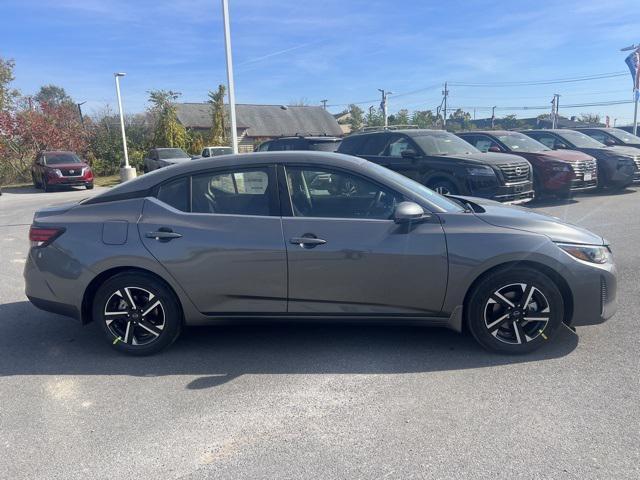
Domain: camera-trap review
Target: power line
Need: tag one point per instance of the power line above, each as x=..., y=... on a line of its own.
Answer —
x=599, y=76
x=545, y=107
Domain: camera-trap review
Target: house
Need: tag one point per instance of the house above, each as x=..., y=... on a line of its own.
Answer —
x=343, y=118
x=257, y=123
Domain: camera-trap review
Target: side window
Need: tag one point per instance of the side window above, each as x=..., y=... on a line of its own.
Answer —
x=374, y=145
x=275, y=146
x=398, y=145
x=205, y=153
x=264, y=147
x=318, y=192
x=175, y=193
x=483, y=143
x=244, y=192
x=599, y=136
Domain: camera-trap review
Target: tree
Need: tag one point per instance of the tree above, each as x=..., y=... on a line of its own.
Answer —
x=7, y=94
x=53, y=95
x=218, y=117
x=374, y=118
x=301, y=102
x=167, y=131
x=356, y=117
x=459, y=120
x=590, y=118
x=401, y=118
x=509, y=122
x=423, y=118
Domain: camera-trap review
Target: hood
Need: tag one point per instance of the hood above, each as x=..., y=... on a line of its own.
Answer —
x=625, y=150
x=501, y=215
x=72, y=166
x=175, y=160
x=570, y=156
x=489, y=158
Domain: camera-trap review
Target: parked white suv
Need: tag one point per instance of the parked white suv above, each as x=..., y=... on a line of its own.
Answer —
x=215, y=151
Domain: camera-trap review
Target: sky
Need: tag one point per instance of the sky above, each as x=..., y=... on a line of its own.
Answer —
x=286, y=51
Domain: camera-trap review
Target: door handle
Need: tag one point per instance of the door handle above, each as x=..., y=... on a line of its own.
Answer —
x=163, y=235
x=307, y=241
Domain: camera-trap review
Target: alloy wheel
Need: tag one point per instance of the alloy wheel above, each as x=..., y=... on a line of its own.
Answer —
x=134, y=316
x=517, y=313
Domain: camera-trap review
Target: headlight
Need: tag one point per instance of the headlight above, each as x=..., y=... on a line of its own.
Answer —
x=588, y=253
x=560, y=167
x=56, y=172
x=481, y=171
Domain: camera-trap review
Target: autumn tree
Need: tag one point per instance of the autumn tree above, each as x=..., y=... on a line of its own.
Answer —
x=218, y=117
x=167, y=131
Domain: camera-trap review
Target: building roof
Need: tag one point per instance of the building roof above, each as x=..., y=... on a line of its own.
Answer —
x=265, y=120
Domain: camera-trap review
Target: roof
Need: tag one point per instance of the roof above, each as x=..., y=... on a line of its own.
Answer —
x=406, y=131
x=486, y=132
x=265, y=120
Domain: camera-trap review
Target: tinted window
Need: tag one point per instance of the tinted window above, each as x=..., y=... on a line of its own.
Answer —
x=547, y=140
x=175, y=193
x=351, y=145
x=60, y=158
x=323, y=145
x=171, y=153
x=205, y=152
x=624, y=136
x=244, y=192
x=263, y=147
x=374, y=145
x=442, y=143
x=580, y=140
x=398, y=145
x=519, y=142
x=599, y=136
x=334, y=194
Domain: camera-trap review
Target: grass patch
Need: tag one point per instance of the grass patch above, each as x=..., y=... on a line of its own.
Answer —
x=108, y=181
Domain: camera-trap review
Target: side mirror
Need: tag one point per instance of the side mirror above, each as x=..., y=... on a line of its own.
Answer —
x=407, y=212
x=494, y=149
x=408, y=153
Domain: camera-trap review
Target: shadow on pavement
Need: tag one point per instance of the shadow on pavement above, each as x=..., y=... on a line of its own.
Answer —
x=37, y=343
x=32, y=190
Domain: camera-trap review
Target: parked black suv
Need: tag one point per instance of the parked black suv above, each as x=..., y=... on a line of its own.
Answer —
x=445, y=163
x=320, y=143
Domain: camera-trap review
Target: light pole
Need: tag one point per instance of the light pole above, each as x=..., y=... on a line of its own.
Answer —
x=633, y=62
x=126, y=172
x=232, y=94
x=80, y=112
x=383, y=105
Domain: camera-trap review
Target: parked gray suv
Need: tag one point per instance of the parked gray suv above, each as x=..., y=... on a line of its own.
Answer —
x=316, y=236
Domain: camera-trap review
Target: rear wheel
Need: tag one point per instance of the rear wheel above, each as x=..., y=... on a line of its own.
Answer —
x=443, y=187
x=515, y=310
x=139, y=314
x=45, y=185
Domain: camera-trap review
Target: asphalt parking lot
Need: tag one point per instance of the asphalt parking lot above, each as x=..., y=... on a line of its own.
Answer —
x=294, y=401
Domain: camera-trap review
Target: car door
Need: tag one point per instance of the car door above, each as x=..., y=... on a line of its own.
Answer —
x=347, y=256
x=219, y=235
x=392, y=156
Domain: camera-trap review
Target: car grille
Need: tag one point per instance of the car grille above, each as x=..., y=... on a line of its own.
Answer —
x=515, y=172
x=585, y=166
x=71, y=172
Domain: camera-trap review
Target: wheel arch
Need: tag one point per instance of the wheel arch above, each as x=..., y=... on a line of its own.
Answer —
x=555, y=277
x=448, y=177
x=89, y=292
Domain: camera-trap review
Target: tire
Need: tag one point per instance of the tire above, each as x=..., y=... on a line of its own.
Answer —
x=131, y=330
x=35, y=182
x=443, y=187
x=497, y=317
x=89, y=186
x=45, y=186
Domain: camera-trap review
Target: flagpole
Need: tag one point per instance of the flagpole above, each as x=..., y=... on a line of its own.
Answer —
x=635, y=113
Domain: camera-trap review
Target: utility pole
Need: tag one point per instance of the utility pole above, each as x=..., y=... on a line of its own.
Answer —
x=555, y=105
x=230, y=84
x=324, y=103
x=445, y=93
x=80, y=112
x=383, y=105
x=493, y=117
x=633, y=62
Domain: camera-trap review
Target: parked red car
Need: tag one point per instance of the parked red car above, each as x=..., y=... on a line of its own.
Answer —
x=57, y=168
x=556, y=172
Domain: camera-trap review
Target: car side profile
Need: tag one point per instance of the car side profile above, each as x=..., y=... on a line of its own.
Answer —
x=445, y=163
x=319, y=143
x=315, y=236
x=555, y=172
x=616, y=165
x=163, y=157
x=51, y=169
x=208, y=152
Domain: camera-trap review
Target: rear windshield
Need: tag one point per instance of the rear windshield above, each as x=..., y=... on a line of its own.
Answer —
x=324, y=145
x=60, y=158
x=443, y=143
x=221, y=151
x=518, y=142
x=171, y=153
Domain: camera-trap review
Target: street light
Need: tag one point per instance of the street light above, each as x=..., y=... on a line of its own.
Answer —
x=126, y=172
x=232, y=94
x=636, y=79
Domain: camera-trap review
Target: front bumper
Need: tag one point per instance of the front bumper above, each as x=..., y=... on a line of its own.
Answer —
x=515, y=193
x=70, y=181
x=594, y=291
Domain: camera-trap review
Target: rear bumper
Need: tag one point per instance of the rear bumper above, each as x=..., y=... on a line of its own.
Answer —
x=55, y=307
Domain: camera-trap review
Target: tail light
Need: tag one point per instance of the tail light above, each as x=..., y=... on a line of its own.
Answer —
x=43, y=236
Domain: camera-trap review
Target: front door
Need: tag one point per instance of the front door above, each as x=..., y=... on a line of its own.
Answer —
x=219, y=235
x=347, y=256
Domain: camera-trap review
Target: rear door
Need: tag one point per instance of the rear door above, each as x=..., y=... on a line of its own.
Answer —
x=347, y=256
x=219, y=235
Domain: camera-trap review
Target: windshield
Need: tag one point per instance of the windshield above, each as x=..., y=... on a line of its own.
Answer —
x=324, y=145
x=420, y=190
x=443, y=143
x=60, y=158
x=171, y=153
x=221, y=151
x=521, y=143
x=581, y=140
x=624, y=136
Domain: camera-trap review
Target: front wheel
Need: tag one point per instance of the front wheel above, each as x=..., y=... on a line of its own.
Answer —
x=139, y=314
x=514, y=310
x=89, y=186
x=443, y=187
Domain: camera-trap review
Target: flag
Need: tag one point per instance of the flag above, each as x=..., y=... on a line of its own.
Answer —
x=633, y=62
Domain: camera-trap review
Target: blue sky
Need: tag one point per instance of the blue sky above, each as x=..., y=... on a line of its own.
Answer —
x=340, y=50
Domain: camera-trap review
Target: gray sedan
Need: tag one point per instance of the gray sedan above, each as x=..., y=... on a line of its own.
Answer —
x=316, y=236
